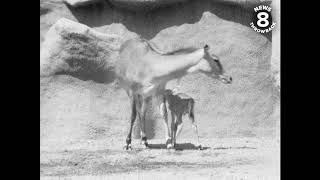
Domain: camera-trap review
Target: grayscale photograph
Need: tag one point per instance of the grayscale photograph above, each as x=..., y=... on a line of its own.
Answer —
x=159, y=89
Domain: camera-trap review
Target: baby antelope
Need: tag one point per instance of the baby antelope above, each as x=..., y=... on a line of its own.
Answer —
x=179, y=105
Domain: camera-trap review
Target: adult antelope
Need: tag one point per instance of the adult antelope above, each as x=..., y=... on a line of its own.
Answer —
x=143, y=71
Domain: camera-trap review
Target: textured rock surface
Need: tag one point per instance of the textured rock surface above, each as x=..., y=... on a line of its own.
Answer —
x=73, y=48
x=73, y=109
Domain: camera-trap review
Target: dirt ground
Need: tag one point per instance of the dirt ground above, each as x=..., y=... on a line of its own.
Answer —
x=81, y=138
x=222, y=158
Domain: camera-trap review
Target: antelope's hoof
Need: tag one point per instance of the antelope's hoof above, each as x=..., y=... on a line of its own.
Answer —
x=174, y=145
x=200, y=147
x=145, y=144
x=127, y=147
x=169, y=144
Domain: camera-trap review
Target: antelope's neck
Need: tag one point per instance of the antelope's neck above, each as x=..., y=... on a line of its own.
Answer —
x=176, y=66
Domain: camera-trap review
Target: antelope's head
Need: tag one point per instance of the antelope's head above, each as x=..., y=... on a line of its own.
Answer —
x=211, y=66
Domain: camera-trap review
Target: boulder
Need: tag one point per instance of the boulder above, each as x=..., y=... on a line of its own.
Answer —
x=246, y=105
x=73, y=48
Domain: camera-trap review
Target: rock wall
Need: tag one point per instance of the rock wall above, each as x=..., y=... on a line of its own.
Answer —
x=73, y=109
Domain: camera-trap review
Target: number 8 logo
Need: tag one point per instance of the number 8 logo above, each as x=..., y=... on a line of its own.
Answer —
x=263, y=17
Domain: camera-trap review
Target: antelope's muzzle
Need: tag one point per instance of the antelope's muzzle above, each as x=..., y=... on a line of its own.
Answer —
x=225, y=79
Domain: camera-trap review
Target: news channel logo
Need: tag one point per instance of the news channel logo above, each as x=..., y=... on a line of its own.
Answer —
x=262, y=19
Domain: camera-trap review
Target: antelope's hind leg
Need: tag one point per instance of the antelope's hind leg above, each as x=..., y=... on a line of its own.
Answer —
x=178, y=127
x=172, y=130
x=142, y=114
x=132, y=120
x=164, y=113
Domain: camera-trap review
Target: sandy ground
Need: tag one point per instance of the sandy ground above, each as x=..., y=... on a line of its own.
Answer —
x=223, y=158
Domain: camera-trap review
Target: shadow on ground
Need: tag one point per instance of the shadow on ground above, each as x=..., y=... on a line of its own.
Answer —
x=242, y=147
x=179, y=147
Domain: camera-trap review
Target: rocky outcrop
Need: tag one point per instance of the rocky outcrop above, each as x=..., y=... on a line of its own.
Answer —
x=250, y=100
x=73, y=48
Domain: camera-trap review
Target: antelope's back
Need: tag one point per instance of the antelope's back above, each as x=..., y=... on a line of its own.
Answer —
x=130, y=65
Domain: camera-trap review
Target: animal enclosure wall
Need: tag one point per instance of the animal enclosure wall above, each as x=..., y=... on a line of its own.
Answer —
x=74, y=109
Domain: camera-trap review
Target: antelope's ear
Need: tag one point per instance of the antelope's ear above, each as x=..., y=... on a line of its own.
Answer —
x=206, y=47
